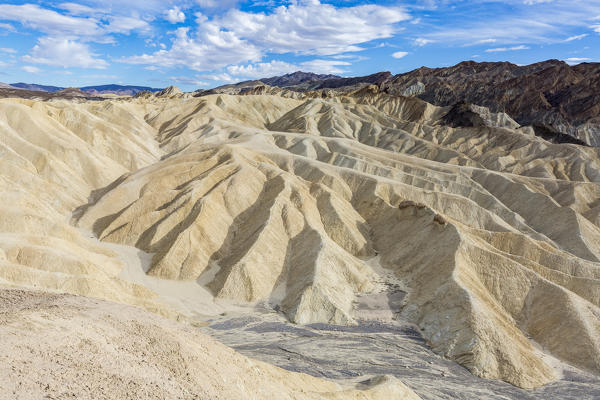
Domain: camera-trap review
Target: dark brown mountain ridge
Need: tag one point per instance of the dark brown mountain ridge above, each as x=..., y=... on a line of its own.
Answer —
x=552, y=96
x=561, y=102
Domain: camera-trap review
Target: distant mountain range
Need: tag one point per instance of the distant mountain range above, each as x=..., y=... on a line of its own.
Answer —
x=561, y=102
x=304, y=81
x=120, y=90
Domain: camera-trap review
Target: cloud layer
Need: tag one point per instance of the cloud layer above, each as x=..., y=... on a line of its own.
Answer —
x=207, y=41
x=308, y=27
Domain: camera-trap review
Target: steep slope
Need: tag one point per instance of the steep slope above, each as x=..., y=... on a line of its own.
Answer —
x=293, y=201
x=53, y=156
x=493, y=230
x=550, y=95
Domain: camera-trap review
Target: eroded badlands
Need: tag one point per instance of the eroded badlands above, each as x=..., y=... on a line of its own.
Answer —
x=486, y=238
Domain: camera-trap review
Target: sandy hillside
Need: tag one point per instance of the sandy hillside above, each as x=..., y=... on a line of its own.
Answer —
x=287, y=200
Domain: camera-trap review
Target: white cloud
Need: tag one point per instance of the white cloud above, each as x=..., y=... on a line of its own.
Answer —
x=147, y=9
x=304, y=27
x=49, y=21
x=125, y=25
x=325, y=66
x=215, y=49
x=262, y=70
x=277, y=67
x=7, y=50
x=531, y=2
x=63, y=53
x=423, y=42
x=86, y=23
x=222, y=77
x=31, y=69
x=188, y=81
x=175, y=15
x=6, y=28
x=400, y=54
x=520, y=22
x=502, y=49
x=576, y=60
x=313, y=28
x=480, y=42
x=79, y=9
x=578, y=37
x=217, y=3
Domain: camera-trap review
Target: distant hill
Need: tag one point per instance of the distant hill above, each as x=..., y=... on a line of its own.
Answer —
x=561, y=102
x=555, y=98
x=36, y=87
x=296, y=78
x=122, y=90
x=305, y=81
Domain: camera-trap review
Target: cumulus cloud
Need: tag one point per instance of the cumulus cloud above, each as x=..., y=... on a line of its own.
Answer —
x=125, y=25
x=144, y=8
x=312, y=27
x=278, y=67
x=63, y=52
x=306, y=27
x=261, y=70
x=175, y=15
x=325, y=66
x=576, y=60
x=213, y=49
x=400, y=54
x=49, y=21
x=186, y=80
x=31, y=69
x=502, y=49
x=217, y=3
x=422, y=42
x=79, y=9
x=222, y=77
x=85, y=24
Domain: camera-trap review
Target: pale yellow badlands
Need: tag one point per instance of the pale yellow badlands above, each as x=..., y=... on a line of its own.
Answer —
x=288, y=199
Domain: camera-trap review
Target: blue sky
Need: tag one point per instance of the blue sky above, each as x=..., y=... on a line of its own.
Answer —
x=205, y=43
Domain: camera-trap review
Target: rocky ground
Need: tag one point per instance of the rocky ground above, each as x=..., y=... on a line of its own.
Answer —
x=376, y=348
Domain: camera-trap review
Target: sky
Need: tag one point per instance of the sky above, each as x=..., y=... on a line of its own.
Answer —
x=205, y=43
